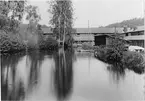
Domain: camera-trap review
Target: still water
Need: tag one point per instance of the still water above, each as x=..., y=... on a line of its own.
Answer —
x=66, y=76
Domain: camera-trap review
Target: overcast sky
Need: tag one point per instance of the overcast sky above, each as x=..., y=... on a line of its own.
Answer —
x=98, y=12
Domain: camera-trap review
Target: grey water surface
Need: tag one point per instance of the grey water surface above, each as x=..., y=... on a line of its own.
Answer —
x=66, y=76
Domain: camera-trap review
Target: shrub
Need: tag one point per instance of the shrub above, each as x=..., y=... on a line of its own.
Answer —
x=87, y=46
x=10, y=43
x=48, y=43
x=101, y=53
x=134, y=61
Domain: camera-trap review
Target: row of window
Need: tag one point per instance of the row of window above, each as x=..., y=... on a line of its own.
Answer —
x=134, y=33
x=137, y=43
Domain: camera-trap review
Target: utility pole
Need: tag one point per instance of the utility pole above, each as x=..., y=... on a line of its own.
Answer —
x=89, y=43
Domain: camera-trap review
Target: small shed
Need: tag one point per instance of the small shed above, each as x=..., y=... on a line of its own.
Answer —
x=105, y=39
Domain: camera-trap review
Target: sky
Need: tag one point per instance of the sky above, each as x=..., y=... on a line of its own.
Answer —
x=96, y=12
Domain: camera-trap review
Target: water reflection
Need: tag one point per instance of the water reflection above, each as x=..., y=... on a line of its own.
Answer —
x=116, y=74
x=21, y=73
x=63, y=74
x=33, y=62
x=11, y=89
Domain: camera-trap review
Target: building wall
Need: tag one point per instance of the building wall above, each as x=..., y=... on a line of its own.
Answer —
x=137, y=42
x=83, y=38
x=108, y=40
x=136, y=38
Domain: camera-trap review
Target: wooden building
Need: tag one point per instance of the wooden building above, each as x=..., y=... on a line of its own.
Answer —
x=136, y=37
x=95, y=36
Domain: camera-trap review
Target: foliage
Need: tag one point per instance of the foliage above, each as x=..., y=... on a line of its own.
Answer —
x=62, y=19
x=134, y=61
x=10, y=43
x=48, y=44
x=33, y=17
x=131, y=60
x=101, y=53
x=32, y=14
x=11, y=13
x=87, y=46
x=112, y=53
x=116, y=49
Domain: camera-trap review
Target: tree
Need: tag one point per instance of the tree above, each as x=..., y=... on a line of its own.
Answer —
x=11, y=13
x=33, y=33
x=62, y=18
x=32, y=16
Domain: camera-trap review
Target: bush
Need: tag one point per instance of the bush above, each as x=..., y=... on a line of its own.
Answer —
x=87, y=46
x=131, y=60
x=134, y=61
x=101, y=53
x=48, y=43
x=10, y=43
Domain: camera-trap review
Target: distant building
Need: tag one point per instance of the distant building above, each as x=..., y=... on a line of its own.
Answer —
x=95, y=36
x=102, y=36
x=136, y=37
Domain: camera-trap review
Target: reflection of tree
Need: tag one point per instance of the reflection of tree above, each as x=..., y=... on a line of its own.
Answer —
x=116, y=73
x=9, y=63
x=13, y=85
x=63, y=74
x=35, y=60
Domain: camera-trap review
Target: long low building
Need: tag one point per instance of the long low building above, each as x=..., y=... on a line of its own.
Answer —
x=95, y=36
x=101, y=36
x=136, y=37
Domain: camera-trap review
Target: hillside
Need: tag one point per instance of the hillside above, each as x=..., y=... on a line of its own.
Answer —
x=129, y=23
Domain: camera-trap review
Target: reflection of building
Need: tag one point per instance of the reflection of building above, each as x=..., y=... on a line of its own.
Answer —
x=136, y=37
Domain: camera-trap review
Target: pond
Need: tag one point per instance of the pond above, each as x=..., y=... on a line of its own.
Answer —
x=66, y=76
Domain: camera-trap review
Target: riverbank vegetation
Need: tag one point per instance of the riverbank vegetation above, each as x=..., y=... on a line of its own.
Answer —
x=15, y=38
x=116, y=54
